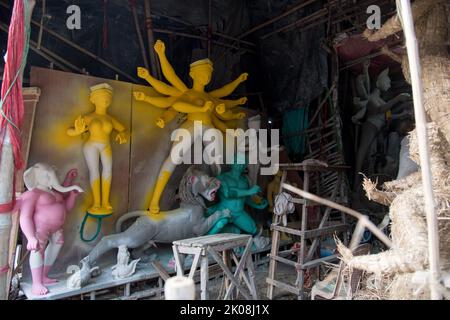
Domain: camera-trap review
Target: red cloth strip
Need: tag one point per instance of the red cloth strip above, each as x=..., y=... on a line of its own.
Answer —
x=13, y=106
x=6, y=207
x=4, y=269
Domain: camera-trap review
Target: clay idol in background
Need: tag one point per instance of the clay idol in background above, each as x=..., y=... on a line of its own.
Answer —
x=373, y=113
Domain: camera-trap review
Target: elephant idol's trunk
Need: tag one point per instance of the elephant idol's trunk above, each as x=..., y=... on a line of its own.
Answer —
x=62, y=189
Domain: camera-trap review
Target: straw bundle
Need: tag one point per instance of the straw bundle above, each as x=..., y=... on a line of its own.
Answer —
x=396, y=267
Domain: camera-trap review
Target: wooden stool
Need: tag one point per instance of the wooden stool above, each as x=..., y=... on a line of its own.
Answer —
x=212, y=245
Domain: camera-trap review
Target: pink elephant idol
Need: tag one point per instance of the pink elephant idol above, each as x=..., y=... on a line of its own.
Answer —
x=43, y=210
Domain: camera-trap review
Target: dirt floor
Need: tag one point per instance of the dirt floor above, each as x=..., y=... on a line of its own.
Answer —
x=284, y=273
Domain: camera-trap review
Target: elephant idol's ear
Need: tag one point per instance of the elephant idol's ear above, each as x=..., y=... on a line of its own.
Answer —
x=29, y=178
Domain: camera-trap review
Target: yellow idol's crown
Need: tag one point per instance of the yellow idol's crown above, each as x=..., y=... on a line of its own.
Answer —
x=101, y=86
x=201, y=62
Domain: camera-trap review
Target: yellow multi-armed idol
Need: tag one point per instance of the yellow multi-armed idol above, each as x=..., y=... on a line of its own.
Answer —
x=99, y=124
x=205, y=107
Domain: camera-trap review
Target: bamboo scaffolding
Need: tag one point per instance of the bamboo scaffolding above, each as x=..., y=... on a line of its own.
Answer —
x=47, y=54
x=75, y=46
x=225, y=36
x=336, y=21
x=318, y=14
x=214, y=33
x=363, y=220
x=275, y=19
x=192, y=36
x=322, y=13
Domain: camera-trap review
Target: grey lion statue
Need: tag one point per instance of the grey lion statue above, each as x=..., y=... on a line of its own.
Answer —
x=165, y=227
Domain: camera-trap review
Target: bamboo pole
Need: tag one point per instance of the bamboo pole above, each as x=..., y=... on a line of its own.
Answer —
x=175, y=19
x=275, y=19
x=309, y=18
x=349, y=19
x=405, y=14
x=228, y=37
x=6, y=190
x=47, y=54
x=187, y=35
x=209, y=33
x=324, y=100
x=359, y=60
x=139, y=34
x=42, y=24
x=214, y=33
x=362, y=219
x=156, y=70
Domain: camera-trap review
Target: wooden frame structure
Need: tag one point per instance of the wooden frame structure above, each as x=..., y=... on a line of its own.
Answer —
x=305, y=260
x=202, y=247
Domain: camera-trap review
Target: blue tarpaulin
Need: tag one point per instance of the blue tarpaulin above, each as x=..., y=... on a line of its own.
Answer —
x=294, y=122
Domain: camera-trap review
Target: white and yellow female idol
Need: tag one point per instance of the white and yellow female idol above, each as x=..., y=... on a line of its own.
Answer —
x=97, y=148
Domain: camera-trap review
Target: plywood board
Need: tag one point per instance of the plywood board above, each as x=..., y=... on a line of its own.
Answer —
x=149, y=148
x=65, y=96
